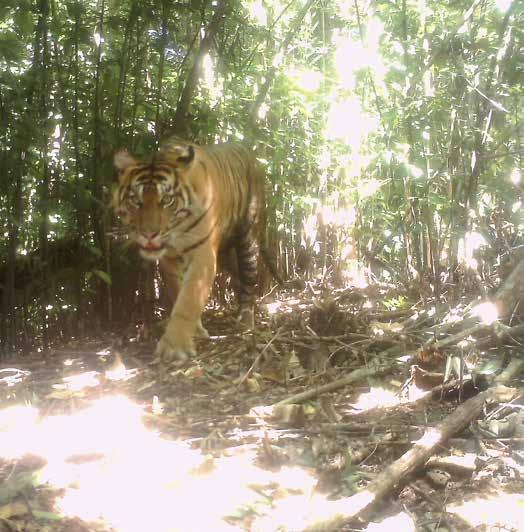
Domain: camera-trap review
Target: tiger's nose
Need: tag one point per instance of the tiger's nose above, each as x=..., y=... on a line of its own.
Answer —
x=150, y=235
x=150, y=240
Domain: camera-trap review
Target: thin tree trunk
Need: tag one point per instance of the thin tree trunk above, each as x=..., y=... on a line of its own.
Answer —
x=99, y=219
x=271, y=73
x=45, y=88
x=78, y=199
x=9, y=332
x=161, y=64
x=411, y=211
x=485, y=112
x=181, y=120
x=139, y=54
x=119, y=106
x=97, y=125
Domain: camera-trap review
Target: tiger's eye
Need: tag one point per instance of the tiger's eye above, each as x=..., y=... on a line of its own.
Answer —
x=134, y=200
x=167, y=201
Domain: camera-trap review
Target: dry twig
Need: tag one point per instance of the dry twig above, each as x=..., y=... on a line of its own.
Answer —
x=358, y=374
x=338, y=513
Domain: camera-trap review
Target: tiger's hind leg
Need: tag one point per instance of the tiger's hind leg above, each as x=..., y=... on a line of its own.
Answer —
x=247, y=251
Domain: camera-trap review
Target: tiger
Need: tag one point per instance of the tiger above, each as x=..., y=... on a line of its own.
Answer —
x=188, y=207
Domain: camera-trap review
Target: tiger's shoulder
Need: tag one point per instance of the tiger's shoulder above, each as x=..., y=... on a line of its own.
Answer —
x=224, y=156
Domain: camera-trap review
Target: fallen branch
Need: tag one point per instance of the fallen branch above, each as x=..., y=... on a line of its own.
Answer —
x=503, y=332
x=257, y=359
x=309, y=338
x=497, y=330
x=333, y=515
x=357, y=375
x=389, y=314
x=453, y=339
x=512, y=370
x=438, y=392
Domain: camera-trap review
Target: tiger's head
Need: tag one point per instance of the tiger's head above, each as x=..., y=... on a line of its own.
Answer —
x=154, y=199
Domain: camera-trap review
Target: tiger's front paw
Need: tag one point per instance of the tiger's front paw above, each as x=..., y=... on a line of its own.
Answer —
x=169, y=352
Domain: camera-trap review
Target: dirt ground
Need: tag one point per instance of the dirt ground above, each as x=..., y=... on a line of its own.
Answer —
x=338, y=412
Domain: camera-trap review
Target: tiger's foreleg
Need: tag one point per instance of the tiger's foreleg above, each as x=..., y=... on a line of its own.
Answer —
x=173, y=275
x=177, y=344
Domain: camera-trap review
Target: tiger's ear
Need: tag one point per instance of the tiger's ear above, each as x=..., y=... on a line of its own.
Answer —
x=123, y=160
x=177, y=155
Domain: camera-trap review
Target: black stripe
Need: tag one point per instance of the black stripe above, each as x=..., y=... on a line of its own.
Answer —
x=248, y=268
x=249, y=272
x=198, y=220
x=153, y=179
x=246, y=240
x=246, y=254
x=177, y=219
x=243, y=233
x=150, y=173
x=248, y=275
x=136, y=170
x=199, y=242
x=161, y=168
x=247, y=261
x=196, y=244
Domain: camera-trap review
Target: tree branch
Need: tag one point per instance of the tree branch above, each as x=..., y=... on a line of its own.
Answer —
x=271, y=73
x=338, y=513
x=181, y=120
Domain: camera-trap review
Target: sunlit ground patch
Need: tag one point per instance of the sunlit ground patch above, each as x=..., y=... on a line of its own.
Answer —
x=109, y=470
x=376, y=398
x=401, y=522
x=505, y=511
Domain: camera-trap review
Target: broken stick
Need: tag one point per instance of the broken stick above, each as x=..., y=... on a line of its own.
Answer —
x=356, y=375
x=333, y=515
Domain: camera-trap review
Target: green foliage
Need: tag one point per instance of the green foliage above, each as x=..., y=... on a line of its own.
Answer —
x=104, y=276
x=395, y=128
x=23, y=21
x=11, y=49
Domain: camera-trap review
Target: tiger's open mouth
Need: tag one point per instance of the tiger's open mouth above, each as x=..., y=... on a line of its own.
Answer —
x=152, y=254
x=151, y=251
x=151, y=246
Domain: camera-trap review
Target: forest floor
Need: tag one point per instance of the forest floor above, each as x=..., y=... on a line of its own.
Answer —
x=339, y=412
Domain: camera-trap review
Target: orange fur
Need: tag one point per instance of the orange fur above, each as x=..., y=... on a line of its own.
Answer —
x=186, y=206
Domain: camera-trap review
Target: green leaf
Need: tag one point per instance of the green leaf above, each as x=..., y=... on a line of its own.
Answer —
x=96, y=251
x=437, y=201
x=11, y=48
x=24, y=22
x=48, y=516
x=17, y=484
x=75, y=9
x=103, y=275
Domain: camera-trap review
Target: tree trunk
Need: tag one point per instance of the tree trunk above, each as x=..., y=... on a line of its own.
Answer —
x=181, y=120
x=119, y=105
x=140, y=54
x=78, y=198
x=160, y=81
x=271, y=73
x=99, y=218
x=42, y=29
x=9, y=332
